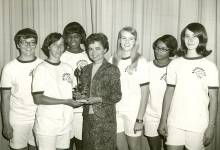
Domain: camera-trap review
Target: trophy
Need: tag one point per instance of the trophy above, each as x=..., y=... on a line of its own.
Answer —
x=80, y=91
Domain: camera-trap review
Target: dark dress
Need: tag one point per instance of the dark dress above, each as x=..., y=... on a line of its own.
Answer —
x=99, y=128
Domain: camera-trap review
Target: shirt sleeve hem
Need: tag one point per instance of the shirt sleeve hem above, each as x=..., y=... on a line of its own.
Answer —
x=39, y=92
x=171, y=85
x=143, y=84
x=213, y=87
x=5, y=88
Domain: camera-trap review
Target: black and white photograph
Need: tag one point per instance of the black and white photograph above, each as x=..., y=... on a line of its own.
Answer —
x=109, y=74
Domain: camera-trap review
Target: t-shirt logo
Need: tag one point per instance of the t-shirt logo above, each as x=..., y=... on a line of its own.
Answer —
x=164, y=77
x=199, y=72
x=67, y=77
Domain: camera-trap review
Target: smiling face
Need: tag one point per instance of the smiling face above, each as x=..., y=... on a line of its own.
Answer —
x=161, y=51
x=73, y=40
x=56, y=49
x=27, y=47
x=127, y=40
x=96, y=51
x=191, y=40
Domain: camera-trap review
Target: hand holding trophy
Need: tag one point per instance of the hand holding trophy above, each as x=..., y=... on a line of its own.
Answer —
x=81, y=91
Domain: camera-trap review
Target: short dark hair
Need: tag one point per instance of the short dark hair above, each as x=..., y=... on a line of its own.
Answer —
x=97, y=37
x=75, y=27
x=170, y=41
x=200, y=32
x=25, y=34
x=50, y=39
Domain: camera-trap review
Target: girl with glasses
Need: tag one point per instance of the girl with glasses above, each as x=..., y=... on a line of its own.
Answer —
x=164, y=48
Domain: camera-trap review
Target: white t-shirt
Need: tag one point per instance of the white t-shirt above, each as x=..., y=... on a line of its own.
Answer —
x=75, y=60
x=130, y=85
x=56, y=81
x=192, y=78
x=17, y=76
x=157, y=86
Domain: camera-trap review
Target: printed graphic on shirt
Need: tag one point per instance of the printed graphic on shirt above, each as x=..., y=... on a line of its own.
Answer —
x=67, y=77
x=199, y=72
x=164, y=77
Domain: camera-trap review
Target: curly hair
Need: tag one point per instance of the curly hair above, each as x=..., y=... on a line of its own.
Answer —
x=170, y=41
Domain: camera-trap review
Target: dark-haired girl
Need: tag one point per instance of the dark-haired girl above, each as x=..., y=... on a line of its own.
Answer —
x=190, y=102
x=164, y=48
x=75, y=55
x=52, y=86
x=102, y=81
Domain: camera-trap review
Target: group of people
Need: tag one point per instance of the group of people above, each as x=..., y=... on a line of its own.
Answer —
x=76, y=96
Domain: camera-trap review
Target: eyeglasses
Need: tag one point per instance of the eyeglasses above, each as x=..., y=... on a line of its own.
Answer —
x=25, y=43
x=162, y=49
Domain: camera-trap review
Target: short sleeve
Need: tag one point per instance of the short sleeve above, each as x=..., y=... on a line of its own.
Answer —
x=143, y=73
x=171, y=74
x=6, y=78
x=213, y=77
x=39, y=80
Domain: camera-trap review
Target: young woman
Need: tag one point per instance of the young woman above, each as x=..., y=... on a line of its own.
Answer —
x=52, y=86
x=190, y=101
x=164, y=48
x=75, y=55
x=133, y=85
x=18, y=108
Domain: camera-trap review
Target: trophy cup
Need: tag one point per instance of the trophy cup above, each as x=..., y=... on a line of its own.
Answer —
x=80, y=91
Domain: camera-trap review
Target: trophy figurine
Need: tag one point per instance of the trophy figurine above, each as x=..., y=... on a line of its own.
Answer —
x=80, y=91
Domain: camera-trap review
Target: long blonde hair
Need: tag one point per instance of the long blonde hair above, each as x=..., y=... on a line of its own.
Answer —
x=135, y=55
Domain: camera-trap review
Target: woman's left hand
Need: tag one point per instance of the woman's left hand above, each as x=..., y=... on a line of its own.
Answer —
x=208, y=135
x=138, y=126
x=93, y=100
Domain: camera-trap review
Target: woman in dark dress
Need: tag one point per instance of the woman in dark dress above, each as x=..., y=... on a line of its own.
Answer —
x=101, y=80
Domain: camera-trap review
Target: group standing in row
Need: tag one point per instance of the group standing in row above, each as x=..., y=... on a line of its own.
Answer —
x=113, y=102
